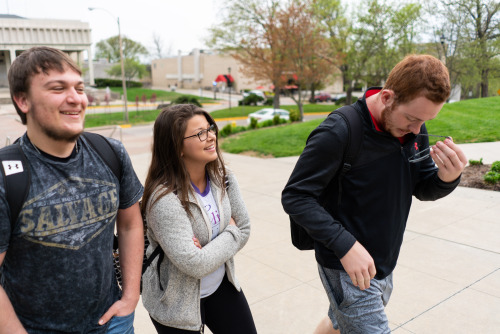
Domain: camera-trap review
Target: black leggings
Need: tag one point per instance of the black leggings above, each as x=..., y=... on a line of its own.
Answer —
x=226, y=311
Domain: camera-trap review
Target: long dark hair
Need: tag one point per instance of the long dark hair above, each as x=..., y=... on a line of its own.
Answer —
x=167, y=168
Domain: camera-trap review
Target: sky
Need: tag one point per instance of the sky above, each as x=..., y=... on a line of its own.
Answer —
x=180, y=24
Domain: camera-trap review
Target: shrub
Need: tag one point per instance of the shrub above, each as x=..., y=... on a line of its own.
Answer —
x=226, y=130
x=476, y=162
x=276, y=119
x=102, y=83
x=495, y=167
x=253, y=123
x=294, y=115
x=267, y=123
x=187, y=99
x=251, y=99
x=491, y=177
x=342, y=100
x=269, y=101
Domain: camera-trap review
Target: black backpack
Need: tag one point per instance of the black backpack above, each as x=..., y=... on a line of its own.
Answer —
x=300, y=237
x=17, y=180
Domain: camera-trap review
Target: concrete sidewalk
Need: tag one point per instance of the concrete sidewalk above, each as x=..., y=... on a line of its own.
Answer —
x=447, y=279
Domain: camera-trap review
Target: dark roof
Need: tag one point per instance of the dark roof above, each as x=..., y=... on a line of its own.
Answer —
x=9, y=16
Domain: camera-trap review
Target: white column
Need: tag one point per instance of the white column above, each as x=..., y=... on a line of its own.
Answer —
x=12, y=53
x=91, y=68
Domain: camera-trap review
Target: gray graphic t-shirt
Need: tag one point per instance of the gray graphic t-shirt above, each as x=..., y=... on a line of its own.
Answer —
x=58, y=270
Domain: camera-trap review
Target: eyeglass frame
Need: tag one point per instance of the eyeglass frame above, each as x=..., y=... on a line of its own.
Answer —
x=425, y=153
x=212, y=128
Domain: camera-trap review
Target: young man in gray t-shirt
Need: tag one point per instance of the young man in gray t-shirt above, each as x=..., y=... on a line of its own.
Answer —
x=57, y=265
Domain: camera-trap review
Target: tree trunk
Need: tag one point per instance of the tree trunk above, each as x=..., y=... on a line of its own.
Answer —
x=276, y=100
x=347, y=87
x=301, y=109
x=484, y=83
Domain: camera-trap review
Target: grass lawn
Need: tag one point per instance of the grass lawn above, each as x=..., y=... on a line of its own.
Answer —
x=161, y=95
x=469, y=121
x=116, y=118
x=243, y=111
x=102, y=119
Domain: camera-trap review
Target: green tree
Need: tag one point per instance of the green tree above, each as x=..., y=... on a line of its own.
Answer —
x=250, y=32
x=472, y=32
x=382, y=34
x=308, y=48
x=133, y=68
x=110, y=49
x=332, y=16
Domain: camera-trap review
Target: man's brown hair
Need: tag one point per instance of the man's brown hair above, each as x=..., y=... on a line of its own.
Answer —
x=419, y=75
x=39, y=59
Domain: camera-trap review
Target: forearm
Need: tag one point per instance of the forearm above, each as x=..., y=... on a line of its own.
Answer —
x=200, y=262
x=131, y=247
x=434, y=188
x=131, y=255
x=9, y=323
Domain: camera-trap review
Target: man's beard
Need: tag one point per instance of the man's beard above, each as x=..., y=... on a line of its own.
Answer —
x=55, y=134
x=385, y=123
x=60, y=136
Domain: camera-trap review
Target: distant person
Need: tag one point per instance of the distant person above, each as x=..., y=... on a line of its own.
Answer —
x=196, y=214
x=58, y=274
x=358, y=225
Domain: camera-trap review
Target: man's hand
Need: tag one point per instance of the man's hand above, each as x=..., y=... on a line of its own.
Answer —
x=359, y=266
x=120, y=308
x=449, y=158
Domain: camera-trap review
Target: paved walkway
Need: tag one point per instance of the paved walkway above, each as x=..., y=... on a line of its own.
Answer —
x=448, y=274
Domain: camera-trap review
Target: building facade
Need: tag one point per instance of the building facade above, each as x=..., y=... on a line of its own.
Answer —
x=18, y=34
x=199, y=69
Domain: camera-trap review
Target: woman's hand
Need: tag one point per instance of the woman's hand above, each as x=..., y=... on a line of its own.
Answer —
x=196, y=242
x=232, y=222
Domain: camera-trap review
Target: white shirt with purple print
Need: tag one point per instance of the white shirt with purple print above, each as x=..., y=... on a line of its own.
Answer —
x=211, y=282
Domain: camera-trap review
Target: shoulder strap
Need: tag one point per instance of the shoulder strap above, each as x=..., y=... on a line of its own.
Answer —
x=17, y=178
x=355, y=130
x=106, y=152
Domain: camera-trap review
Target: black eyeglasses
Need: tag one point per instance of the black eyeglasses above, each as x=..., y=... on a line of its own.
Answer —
x=424, y=154
x=203, y=134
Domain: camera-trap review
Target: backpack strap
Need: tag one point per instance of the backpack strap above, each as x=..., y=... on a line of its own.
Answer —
x=17, y=178
x=300, y=238
x=17, y=175
x=355, y=136
x=107, y=153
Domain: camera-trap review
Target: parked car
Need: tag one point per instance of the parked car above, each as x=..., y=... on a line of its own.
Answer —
x=268, y=114
x=321, y=97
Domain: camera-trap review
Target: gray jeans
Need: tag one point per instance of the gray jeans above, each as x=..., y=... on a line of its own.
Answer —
x=353, y=310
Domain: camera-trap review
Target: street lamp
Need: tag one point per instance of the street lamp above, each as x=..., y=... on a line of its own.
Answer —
x=442, y=39
x=124, y=83
x=229, y=84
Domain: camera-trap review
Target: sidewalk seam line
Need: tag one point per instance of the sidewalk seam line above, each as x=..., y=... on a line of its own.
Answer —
x=447, y=298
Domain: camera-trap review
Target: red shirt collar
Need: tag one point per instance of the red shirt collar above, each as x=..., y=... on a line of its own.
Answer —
x=374, y=121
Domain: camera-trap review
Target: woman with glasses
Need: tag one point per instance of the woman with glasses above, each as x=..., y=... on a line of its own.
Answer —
x=195, y=212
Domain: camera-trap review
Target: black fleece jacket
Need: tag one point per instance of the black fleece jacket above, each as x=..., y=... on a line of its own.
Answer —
x=376, y=193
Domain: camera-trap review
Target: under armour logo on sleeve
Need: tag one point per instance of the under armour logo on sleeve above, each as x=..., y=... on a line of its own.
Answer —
x=12, y=167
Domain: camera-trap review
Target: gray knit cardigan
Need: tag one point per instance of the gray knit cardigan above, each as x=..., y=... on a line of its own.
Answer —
x=183, y=266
